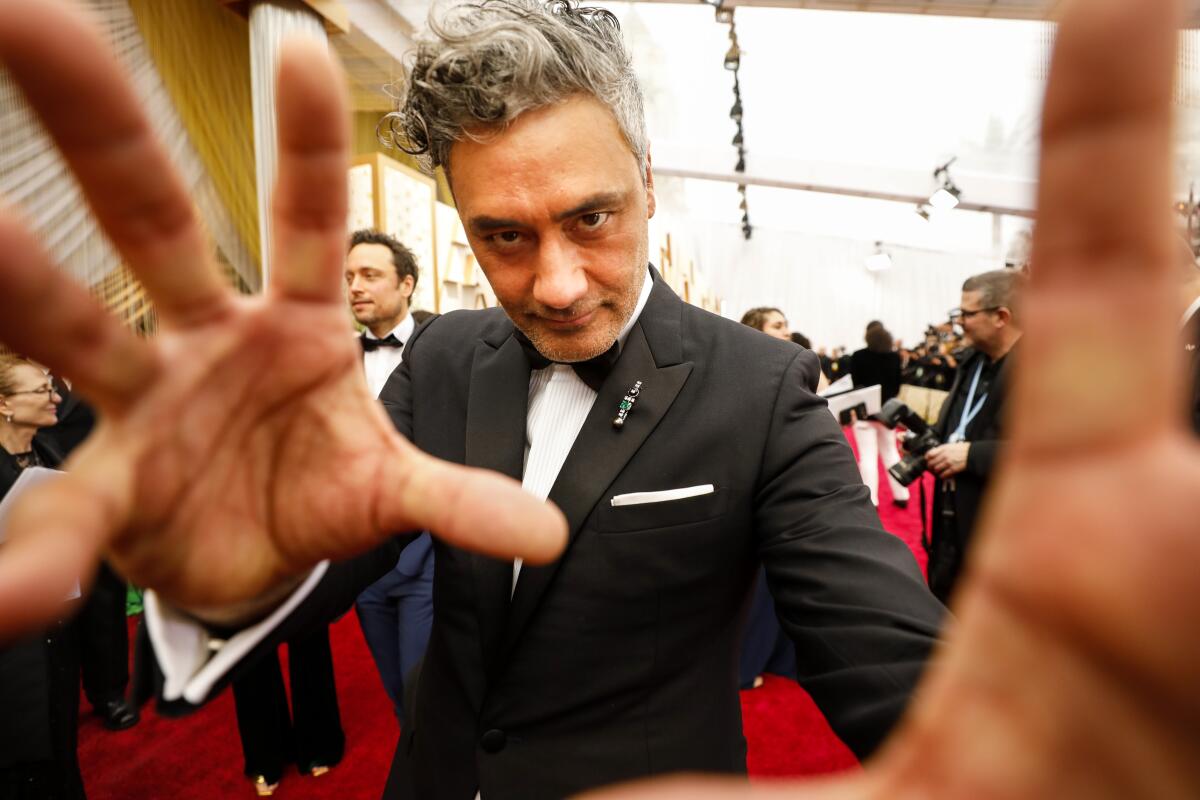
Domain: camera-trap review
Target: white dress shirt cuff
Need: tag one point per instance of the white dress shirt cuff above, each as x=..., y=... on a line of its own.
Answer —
x=192, y=659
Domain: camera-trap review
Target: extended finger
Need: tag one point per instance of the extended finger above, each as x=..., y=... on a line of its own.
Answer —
x=47, y=316
x=310, y=202
x=53, y=538
x=474, y=509
x=88, y=105
x=1100, y=319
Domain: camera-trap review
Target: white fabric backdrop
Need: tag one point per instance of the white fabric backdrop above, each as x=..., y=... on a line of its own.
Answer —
x=822, y=286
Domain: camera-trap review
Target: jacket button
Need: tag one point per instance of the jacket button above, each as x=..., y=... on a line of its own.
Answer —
x=493, y=741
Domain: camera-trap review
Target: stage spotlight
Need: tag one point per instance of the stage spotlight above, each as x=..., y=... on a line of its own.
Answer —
x=945, y=198
x=879, y=260
x=947, y=195
x=737, y=138
x=923, y=211
x=735, y=112
x=734, y=56
x=740, y=166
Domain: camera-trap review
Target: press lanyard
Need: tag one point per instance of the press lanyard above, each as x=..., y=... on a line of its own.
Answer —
x=969, y=411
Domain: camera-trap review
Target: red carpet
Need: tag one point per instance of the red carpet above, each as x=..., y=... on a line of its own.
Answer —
x=199, y=757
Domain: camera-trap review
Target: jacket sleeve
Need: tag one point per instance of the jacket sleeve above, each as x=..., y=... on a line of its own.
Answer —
x=848, y=593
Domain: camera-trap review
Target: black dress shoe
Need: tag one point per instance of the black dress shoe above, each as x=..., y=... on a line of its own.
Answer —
x=117, y=715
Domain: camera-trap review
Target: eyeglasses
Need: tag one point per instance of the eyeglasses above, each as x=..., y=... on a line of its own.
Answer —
x=48, y=390
x=958, y=314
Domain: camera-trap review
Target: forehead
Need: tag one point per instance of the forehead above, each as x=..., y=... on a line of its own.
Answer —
x=775, y=316
x=971, y=299
x=369, y=256
x=547, y=160
x=28, y=374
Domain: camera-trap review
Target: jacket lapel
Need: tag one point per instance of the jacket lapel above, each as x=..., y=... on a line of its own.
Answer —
x=601, y=451
x=496, y=409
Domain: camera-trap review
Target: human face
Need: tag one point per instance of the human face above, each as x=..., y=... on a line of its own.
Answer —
x=556, y=212
x=978, y=323
x=776, y=325
x=378, y=298
x=34, y=403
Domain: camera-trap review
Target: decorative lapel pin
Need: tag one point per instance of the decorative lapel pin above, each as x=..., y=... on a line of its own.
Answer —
x=626, y=405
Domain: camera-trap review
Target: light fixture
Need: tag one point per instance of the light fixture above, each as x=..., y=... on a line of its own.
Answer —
x=945, y=198
x=747, y=230
x=924, y=211
x=879, y=260
x=724, y=15
x=733, y=57
x=737, y=138
x=735, y=113
x=947, y=194
x=740, y=166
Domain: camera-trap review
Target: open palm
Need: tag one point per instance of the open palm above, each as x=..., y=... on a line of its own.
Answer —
x=1071, y=672
x=242, y=445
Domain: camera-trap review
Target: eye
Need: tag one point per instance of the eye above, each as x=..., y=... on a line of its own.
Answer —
x=505, y=238
x=593, y=220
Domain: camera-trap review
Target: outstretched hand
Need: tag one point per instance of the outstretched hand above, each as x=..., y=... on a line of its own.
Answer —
x=241, y=445
x=1072, y=670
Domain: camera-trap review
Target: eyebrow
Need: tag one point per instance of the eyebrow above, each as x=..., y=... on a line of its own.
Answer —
x=597, y=202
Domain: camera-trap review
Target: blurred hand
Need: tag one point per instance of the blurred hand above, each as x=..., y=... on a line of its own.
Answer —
x=947, y=460
x=1071, y=672
x=242, y=445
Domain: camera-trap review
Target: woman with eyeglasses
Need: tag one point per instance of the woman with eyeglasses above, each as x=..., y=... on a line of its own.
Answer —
x=39, y=675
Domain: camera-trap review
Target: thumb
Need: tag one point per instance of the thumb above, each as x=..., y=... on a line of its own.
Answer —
x=52, y=541
x=475, y=509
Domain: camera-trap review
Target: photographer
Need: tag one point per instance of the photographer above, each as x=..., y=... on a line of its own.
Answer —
x=970, y=422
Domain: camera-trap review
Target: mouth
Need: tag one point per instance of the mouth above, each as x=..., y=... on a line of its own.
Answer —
x=575, y=323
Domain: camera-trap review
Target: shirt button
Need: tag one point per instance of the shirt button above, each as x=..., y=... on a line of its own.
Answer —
x=493, y=741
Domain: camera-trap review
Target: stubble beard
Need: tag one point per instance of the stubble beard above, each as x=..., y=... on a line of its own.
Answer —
x=592, y=340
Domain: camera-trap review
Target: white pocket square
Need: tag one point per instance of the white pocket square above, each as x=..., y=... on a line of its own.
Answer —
x=641, y=498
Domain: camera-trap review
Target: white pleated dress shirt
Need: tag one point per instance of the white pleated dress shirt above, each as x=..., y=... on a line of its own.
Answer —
x=559, y=402
x=193, y=661
x=380, y=363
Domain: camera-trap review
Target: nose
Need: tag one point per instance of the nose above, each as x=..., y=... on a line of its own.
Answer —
x=560, y=281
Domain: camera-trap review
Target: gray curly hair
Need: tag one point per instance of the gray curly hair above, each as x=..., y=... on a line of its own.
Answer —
x=487, y=63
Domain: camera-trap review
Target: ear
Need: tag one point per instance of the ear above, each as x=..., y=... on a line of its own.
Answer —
x=407, y=285
x=651, y=203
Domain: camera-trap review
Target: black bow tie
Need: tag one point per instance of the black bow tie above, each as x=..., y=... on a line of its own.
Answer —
x=592, y=372
x=369, y=344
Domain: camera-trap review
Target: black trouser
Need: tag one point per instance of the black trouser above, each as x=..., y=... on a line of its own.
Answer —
x=56, y=777
x=312, y=734
x=104, y=640
x=946, y=544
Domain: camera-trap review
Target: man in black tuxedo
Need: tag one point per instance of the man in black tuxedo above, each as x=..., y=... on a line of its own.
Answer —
x=683, y=449
x=971, y=420
x=1048, y=665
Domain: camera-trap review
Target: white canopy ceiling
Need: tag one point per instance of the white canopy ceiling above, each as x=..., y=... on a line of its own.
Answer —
x=858, y=104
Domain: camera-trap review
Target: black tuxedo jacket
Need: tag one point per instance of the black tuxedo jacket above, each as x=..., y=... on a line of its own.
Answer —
x=619, y=660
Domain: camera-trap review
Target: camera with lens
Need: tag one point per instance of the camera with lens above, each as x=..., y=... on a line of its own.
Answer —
x=919, y=440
